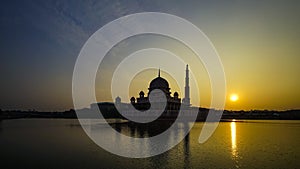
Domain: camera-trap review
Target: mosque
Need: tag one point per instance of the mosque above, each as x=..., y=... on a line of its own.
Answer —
x=142, y=103
x=174, y=102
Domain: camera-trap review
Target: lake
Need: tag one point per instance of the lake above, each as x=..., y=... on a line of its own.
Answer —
x=62, y=143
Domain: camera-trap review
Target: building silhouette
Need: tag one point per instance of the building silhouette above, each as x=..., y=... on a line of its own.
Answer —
x=187, y=100
x=152, y=101
x=143, y=102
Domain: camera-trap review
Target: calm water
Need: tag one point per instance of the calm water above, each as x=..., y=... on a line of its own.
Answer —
x=53, y=143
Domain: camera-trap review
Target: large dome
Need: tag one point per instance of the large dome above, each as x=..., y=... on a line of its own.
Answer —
x=159, y=83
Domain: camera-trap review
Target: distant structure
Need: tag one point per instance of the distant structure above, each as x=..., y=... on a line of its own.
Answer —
x=186, y=100
x=118, y=100
x=143, y=103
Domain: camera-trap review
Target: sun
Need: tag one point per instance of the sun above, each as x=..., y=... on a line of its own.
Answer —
x=234, y=97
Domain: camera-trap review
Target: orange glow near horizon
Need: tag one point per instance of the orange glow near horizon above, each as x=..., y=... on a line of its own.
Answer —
x=251, y=86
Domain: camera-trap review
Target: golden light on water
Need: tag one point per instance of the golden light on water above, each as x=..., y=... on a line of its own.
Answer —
x=233, y=139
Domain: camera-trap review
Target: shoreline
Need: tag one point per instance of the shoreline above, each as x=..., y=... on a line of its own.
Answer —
x=160, y=120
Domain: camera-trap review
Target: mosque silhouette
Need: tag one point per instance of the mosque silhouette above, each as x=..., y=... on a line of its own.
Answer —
x=172, y=104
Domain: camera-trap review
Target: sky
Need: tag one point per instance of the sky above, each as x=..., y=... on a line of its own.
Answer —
x=257, y=41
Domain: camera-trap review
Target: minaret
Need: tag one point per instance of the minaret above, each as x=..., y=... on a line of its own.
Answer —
x=187, y=99
x=159, y=72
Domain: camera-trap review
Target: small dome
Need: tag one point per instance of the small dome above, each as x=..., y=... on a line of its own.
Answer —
x=132, y=99
x=159, y=83
x=118, y=99
x=142, y=93
x=176, y=94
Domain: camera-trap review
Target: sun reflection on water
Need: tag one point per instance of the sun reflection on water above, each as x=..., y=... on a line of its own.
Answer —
x=233, y=140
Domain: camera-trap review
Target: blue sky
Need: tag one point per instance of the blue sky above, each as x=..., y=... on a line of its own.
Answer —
x=40, y=42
